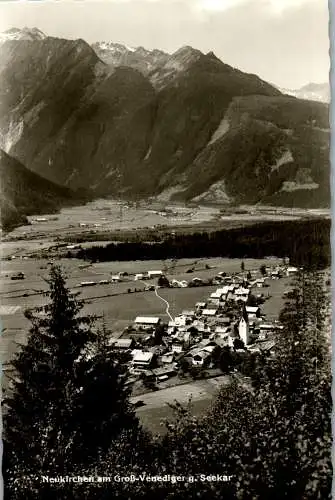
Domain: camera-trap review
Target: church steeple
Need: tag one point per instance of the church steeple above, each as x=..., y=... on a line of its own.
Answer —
x=245, y=314
x=243, y=327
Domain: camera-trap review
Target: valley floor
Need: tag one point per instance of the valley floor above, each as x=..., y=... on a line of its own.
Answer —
x=97, y=220
x=117, y=304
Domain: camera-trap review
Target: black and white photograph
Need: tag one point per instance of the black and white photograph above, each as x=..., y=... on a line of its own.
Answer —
x=166, y=279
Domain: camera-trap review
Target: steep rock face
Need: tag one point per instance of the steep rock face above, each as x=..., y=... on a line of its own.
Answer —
x=61, y=106
x=273, y=150
x=193, y=128
x=42, y=83
x=177, y=63
x=160, y=67
x=25, y=193
x=187, y=113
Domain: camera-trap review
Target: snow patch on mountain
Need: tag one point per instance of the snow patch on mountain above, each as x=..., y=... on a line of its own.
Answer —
x=222, y=129
x=9, y=137
x=29, y=34
x=319, y=92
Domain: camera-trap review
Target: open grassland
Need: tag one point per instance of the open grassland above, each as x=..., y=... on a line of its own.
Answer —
x=112, y=303
x=107, y=219
x=156, y=407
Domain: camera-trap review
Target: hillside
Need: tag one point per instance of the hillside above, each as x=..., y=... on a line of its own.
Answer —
x=25, y=193
x=146, y=123
x=272, y=150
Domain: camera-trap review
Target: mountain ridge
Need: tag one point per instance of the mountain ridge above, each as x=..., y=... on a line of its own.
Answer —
x=25, y=193
x=192, y=126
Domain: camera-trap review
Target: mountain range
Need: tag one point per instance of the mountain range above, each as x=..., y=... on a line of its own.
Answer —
x=186, y=126
x=312, y=91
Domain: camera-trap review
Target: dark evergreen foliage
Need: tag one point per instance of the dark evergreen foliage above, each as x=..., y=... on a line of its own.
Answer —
x=272, y=436
x=69, y=400
x=306, y=242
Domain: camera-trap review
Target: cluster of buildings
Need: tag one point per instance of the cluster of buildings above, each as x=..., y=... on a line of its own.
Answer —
x=230, y=318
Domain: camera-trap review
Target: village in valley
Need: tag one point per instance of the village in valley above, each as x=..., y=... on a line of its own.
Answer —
x=215, y=337
x=183, y=326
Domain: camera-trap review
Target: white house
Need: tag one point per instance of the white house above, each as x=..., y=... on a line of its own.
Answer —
x=121, y=343
x=116, y=278
x=155, y=274
x=188, y=314
x=214, y=302
x=209, y=312
x=221, y=330
x=71, y=247
x=146, y=322
x=224, y=290
x=180, y=320
x=142, y=359
x=259, y=282
x=200, y=305
x=253, y=312
x=198, y=358
x=291, y=271
x=215, y=298
x=87, y=283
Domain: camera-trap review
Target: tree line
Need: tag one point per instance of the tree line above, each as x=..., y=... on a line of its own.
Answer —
x=306, y=242
x=68, y=414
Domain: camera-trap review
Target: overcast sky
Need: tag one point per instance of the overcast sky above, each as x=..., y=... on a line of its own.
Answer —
x=283, y=41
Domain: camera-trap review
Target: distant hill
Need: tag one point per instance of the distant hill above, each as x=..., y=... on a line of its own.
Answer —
x=312, y=92
x=24, y=193
x=144, y=123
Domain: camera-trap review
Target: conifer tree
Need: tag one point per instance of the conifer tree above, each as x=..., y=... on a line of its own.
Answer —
x=273, y=438
x=68, y=399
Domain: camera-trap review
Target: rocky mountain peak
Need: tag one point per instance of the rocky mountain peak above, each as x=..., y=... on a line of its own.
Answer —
x=28, y=34
x=185, y=122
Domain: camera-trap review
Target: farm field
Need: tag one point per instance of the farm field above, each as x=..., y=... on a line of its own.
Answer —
x=156, y=404
x=103, y=216
x=112, y=303
x=109, y=215
x=117, y=304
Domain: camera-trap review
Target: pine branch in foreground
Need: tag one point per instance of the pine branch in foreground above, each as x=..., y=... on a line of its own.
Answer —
x=68, y=403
